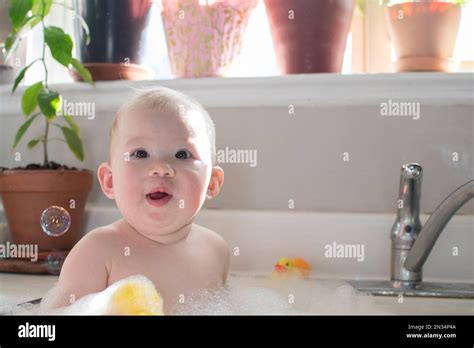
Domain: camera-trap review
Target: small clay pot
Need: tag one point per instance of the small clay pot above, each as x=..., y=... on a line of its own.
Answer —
x=27, y=193
x=424, y=35
x=309, y=36
x=115, y=71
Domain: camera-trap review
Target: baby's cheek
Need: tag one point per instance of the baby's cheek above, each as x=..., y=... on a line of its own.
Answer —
x=126, y=189
x=195, y=192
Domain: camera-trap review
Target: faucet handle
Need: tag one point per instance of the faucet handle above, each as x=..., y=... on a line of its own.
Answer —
x=410, y=191
x=407, y=225
x=411, y=171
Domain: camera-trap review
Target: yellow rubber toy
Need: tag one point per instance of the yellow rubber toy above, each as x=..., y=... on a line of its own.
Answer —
x=286, y=267
x=135, y=298
x=135, y=295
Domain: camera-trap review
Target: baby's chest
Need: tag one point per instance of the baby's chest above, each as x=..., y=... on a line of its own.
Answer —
x=178, y=272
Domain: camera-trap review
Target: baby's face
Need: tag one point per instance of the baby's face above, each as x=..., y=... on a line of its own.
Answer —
x=161, y=167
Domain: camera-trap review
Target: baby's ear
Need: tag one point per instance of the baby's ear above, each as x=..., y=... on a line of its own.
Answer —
x=215, y=184
x=104, y=174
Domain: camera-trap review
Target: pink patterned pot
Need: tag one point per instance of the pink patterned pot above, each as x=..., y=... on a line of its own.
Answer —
x=204, y=36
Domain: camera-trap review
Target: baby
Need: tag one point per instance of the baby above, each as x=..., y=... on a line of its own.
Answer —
x=160, y=171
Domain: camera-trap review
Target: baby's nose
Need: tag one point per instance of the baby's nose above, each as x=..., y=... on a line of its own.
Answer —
x=161, y=169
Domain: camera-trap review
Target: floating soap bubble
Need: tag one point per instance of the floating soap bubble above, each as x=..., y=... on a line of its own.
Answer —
x=55, y=221
x=54, y=263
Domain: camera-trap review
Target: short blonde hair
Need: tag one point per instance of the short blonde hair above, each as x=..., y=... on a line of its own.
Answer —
x=162, y=98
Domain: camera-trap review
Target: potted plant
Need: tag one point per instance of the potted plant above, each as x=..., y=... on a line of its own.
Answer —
x=424, y=34
x=204, y=36
x=309, y=36
x=28, y=192
x=115, y=29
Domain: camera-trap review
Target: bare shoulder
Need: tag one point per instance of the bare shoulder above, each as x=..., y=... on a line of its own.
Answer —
x=102, y=234
x=102, y=238
x=217, y=244
x=210, y=237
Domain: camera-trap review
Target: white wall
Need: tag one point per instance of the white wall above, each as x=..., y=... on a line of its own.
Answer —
x=300, y=155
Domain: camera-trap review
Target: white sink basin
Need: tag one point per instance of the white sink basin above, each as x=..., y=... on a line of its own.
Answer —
x=257, y=239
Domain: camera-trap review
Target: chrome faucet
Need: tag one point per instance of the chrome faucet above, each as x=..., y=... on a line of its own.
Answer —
x=434, y=226
x=407, y=225
x=412, y=243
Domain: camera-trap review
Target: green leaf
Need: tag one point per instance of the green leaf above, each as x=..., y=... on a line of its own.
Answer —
x=11, y=42
x=20, y=77
x=37, y=10
x=72, y=123
x=18, y=11
x=49, y=103
x=60, y=44
x=81, y=70
x=74, y=142
x=29, y=100
x=33, y=143
x=21, y=131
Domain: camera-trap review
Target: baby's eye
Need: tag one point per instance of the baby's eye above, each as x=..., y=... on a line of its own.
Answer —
x=139, y=154
x=183, y=154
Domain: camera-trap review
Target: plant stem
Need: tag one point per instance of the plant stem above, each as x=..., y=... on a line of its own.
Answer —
x=45, y=142
x=58, y=139
x=46, y=130
x=44, y=52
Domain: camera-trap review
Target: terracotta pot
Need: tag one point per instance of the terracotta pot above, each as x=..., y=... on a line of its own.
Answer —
x=424, y=35
x=203, y=39
x=309, y=36
x=27, y=193
x=115, y=71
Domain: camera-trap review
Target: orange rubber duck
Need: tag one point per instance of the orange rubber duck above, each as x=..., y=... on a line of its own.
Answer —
x=291, y=267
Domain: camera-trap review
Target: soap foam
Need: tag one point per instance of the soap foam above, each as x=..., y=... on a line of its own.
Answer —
x=248, y=296
x=244, y=295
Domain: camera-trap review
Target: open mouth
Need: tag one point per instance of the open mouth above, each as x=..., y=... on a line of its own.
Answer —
x=158, y=197
x=155, y=196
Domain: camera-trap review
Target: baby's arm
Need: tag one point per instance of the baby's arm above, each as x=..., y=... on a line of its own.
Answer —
x=226, y=266
x=224, y=252
x=84, y=271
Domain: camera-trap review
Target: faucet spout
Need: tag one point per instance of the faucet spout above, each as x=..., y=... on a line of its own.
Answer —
x=435, y=225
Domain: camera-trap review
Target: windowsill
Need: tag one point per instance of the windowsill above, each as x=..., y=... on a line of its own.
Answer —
x=321, y=90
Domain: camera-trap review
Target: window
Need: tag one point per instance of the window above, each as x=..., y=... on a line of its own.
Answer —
x=368, y=47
